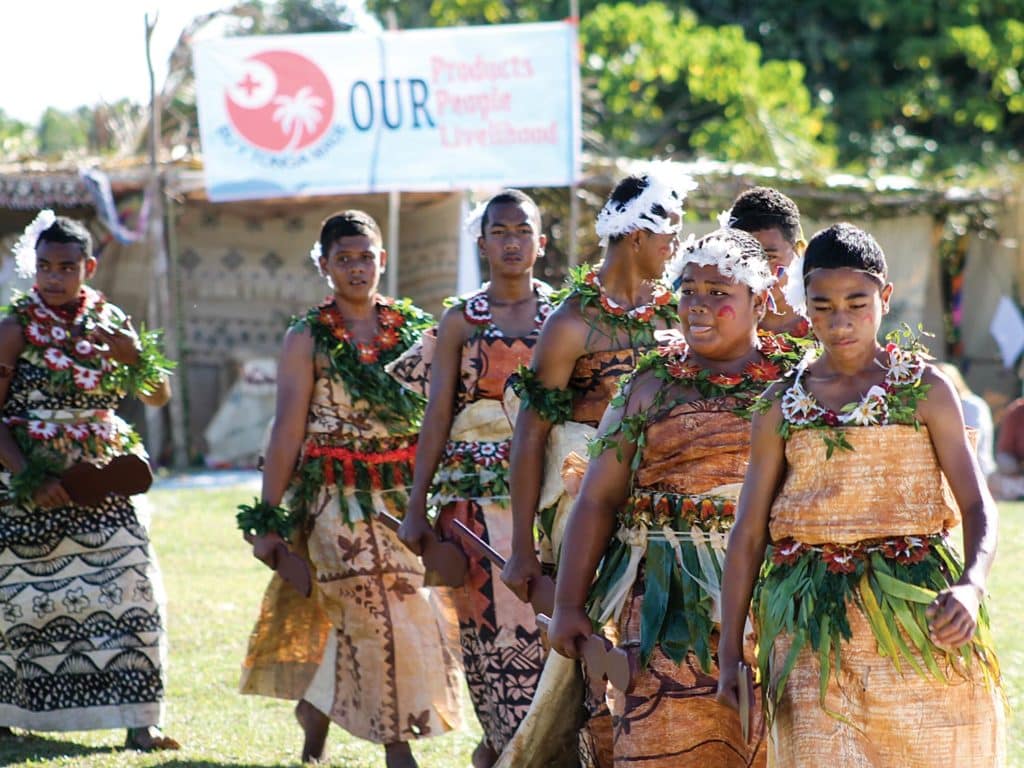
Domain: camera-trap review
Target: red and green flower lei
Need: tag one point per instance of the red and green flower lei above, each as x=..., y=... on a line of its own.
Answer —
x=360, y=367
x=638, y=322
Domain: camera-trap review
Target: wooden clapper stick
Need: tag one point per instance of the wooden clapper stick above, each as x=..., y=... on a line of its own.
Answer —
x=604, y=661
x=445, y=563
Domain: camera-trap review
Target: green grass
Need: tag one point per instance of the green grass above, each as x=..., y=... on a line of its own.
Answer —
x=214, y=588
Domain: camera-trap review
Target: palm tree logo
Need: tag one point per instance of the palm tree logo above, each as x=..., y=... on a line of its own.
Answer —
x=298, y=115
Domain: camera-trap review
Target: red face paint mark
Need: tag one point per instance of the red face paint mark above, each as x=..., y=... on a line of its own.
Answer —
x=726, y=311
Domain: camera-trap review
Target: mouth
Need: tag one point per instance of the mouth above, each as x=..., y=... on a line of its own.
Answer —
x=698, y=329
x=358, y=283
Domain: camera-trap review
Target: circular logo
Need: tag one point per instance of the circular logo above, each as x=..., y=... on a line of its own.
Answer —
x=280, y=101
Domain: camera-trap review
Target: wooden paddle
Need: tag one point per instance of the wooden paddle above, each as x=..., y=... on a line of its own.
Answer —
x=445, y=563
x=745, y=688
x=290, y=567
x=541, y=589
x=604, y=661
x=89, y=485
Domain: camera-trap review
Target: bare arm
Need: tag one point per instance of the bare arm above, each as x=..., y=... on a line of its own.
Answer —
x=554, y=358
x=12, y=342
x=954, y=613
x=592, y=523
x=437, y=423
x=747, y=543
x=294, y=393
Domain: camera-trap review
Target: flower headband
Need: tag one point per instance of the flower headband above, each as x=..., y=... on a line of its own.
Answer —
x=25, y=248
x=652, y=209
x=720, y=250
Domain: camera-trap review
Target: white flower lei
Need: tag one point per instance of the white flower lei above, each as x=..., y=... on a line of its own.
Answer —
x=717, y=250
x=667, y=187
x=25, y=248
x=314, y=255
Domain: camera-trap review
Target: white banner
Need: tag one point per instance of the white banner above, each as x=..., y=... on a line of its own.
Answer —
x=420, y=109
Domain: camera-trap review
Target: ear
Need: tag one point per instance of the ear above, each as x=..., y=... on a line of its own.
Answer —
x=383, y=260
x=800, y=246
x=542, y=242
x=637, y=238
x=886, y=295
x=480, y=243
x=90, y=267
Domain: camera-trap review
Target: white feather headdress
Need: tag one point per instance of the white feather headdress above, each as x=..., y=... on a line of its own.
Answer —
x=720, y=249
x=25, y=248
x=651, y=210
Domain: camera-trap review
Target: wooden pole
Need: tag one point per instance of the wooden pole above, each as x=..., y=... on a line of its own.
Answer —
x=160, y=307
x=394, y=212
x=572, y=252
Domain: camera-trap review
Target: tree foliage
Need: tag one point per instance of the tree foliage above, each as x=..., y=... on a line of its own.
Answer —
x=924, y=85
x=657, y=82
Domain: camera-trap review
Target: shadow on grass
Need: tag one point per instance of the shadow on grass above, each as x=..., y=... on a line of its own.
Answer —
x=33, y=747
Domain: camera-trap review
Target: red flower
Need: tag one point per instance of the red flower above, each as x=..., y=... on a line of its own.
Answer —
x=37, y=334
x=643, y=504
x=906, y=549
x=681, y=369
x=387, y=338
x=831, y=418
x=689, y=507
x=86, y=378
x=643, y=314
x=591, y=278
x=367, y=354
x=728, y=509
x=610, y=307
x=725, y=379
x=662, y=296
x=763, y=371
x=772, y=343
x=56, y=360
x=707, y=509
x=662, y=507
x=840, y=559
x=390, y=318
x=787, y=551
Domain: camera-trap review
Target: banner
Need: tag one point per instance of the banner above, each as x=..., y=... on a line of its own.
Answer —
x=423, y=109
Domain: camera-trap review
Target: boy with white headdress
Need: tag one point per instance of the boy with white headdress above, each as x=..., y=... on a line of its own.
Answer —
x=657, y=501
x=594, y=338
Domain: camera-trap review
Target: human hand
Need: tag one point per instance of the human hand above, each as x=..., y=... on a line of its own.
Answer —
x=119, y=344
x=568, y=627
x=953, y=615
x=520, y=569
x=51, y=495
x=264, y=548
x=728, y=685
x=415, y=529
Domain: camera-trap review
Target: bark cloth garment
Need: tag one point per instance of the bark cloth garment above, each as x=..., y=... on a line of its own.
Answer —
x=862, y=530
x=82, y=633
x=659, y=582
x=370, y=649
x=574, y=413
x=501, y=649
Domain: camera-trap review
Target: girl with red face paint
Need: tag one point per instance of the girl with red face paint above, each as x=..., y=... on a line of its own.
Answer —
x=655, y=505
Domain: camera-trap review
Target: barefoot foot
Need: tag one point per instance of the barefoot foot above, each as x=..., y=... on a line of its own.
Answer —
x=314, y=727
x=484, y=755
x=149, y=739
x=399, y=755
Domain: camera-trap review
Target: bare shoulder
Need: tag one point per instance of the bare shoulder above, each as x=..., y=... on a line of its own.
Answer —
x=942, y=400
x=566, y=328
x=641, y=391
x=453, y=329
x=12, y=338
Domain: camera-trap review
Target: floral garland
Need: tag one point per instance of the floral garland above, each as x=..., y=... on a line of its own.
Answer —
x=893, y=402
x=358, y=469
x=473, y=469
x=360, y=367
x=476, y=307
x=804, y=592
x=61, y=341
x=551, y=404
x=671, y=365
x=39, y=469
x=638, y=322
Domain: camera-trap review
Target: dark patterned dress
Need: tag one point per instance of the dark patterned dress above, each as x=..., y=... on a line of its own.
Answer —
x=82, y=636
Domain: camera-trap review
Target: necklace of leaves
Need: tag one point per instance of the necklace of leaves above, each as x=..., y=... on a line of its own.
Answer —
x=893, y=402
x=360, y=367
x=638, y=322
x=670, y=364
